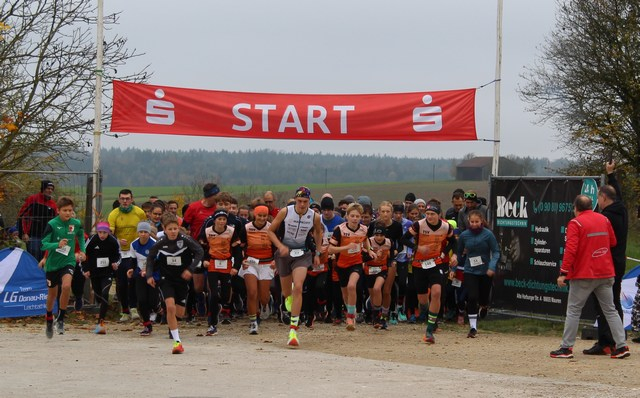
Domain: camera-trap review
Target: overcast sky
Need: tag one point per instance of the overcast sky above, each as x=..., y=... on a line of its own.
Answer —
x=353, y=46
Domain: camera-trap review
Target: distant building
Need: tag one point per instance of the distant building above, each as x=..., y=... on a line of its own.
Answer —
x=479, y=168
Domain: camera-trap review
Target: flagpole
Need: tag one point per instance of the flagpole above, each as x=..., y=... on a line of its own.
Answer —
x=496, y=122
x=96, y=201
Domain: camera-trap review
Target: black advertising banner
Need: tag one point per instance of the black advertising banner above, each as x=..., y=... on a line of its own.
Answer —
x=529, y=217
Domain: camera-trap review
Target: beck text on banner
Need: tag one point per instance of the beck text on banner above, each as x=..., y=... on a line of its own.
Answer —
x=419, y=116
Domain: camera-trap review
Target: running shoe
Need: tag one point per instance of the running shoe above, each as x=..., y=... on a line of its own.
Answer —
x=134, y=314
x=78, y=304
x=49, y=330
x=309, y=321
x=636, y=339
x=359, y=317
x=461, y=320
x=383, y=323
x=253, y=327
x=293, y=339
x=428, y=338
x=265, y=311
x=377, y=323
x=126, y=317
x=351, y=324
x=146, y=331
x=60, y=326
x=412, y=319
x=402, y=317
x=212, y=331
x=393, y=319
x=562, y=352
x=177, y=348
x=620, y=353
x=100, y=329
x=483, y=312
x=225, y=315
x=288, y=302
x=597, y=349
x=473, y=332
x=286, y=317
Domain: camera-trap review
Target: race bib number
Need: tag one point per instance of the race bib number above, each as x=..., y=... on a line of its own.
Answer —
x=427, y=264
x=220, y=264
x=253, y=261
x=64, y=250
x=456, y=282
x=475, y=261
x=374, y=270
x=102, y=262
x=175, y=261
x=354, y=251
x=296, y=253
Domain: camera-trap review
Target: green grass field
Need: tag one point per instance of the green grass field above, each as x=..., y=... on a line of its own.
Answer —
x=376, y=191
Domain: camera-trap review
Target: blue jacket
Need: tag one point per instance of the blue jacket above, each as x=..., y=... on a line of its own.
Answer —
x=480, y=249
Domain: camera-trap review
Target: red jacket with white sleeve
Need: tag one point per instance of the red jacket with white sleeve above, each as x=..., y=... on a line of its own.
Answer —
x=587, y=252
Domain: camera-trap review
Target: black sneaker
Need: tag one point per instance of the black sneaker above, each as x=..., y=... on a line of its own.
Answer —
x=309, y=321
x=473, y=332
x=286, y=317
x=147, y=331
x=620, y=353
x=49, y=329
x=597, y=349
x=562, y=352
x=483, y=312
x=636, y=340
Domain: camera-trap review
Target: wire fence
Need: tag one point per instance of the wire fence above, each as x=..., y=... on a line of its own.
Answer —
x=17, y=185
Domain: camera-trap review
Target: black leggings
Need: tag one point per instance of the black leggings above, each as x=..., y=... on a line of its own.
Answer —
x=148, y=297
x=101, y=286
x=478, y=290
x=411, y=296
x=218, y=294
x=125, y=287
x=402, y=270
x=314, y=293
x=77, y=283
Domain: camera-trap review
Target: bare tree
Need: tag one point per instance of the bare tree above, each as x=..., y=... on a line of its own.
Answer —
x=47, y=79
x=586, y=82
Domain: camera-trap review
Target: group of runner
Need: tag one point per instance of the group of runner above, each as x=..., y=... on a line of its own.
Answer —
x=400, y=262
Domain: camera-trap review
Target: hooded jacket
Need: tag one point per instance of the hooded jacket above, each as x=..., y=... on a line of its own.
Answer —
x=617, y=215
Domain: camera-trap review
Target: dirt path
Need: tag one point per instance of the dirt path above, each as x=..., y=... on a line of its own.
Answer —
x=330, y=362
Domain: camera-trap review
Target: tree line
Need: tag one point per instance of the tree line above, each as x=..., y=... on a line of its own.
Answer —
x=144, y=167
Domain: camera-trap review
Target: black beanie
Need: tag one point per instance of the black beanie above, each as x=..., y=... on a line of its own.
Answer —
x=44, y=184
x=326, y=204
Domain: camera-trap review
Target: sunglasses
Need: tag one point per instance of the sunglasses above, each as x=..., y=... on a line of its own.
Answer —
x=470, y=195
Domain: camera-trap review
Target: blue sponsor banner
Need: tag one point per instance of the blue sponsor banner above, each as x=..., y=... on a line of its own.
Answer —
x=23, y=287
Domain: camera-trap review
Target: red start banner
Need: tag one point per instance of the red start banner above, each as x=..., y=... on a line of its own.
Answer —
x=420, y=116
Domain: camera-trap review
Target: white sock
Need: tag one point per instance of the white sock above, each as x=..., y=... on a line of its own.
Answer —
x=473, y=321
x=176, y=335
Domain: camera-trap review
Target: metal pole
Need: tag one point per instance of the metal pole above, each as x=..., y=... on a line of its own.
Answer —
x=496, y=122
x=98, y=113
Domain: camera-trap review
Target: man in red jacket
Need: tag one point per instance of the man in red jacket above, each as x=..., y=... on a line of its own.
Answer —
x=588, y=264
x=34, y=215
